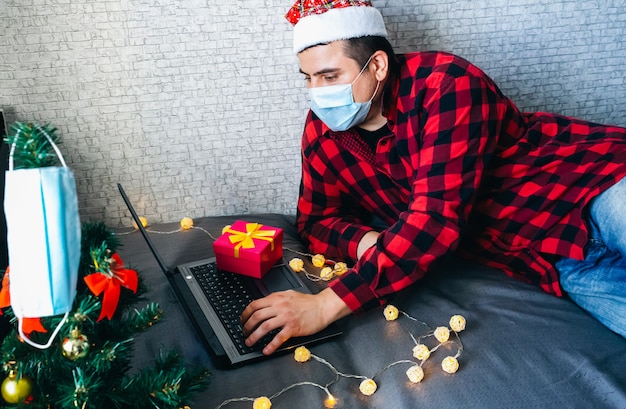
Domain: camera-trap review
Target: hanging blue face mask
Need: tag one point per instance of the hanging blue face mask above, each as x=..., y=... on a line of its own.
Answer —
x=44, y=241
x=335, y=105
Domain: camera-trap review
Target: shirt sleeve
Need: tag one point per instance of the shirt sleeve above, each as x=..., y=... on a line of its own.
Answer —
x=460, y=120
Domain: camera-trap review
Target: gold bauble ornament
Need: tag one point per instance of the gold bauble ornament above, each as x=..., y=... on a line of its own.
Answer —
x=16, y=390
x=76, y=346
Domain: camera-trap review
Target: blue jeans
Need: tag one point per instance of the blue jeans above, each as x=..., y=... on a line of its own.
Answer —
x=598, y=283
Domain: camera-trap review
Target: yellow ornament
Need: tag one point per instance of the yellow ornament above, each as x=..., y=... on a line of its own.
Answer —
x=340, y=268
x=76, y=346
x=262, y=403
x=143, y=220
x=186, y=223
x=326, y=273
x=296, y=264
x=302, y=354
x=318, y=260
x=415, y=374
x=16, y=390
x=450, y=364
x=442, y=334
x=421, y=352
x=368, y=387
x=391, y=313
x=457, y=323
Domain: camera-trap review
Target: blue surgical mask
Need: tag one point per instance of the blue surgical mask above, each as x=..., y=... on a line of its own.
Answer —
x=335, y=105
x=45, y=256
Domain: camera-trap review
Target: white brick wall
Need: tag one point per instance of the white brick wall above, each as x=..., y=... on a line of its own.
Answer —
x=197, y=106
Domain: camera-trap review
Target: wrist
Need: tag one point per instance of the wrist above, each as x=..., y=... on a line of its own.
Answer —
x=334, y=307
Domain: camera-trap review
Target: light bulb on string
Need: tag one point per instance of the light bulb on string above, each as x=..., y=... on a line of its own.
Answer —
x=330, y=402
x=415, y=373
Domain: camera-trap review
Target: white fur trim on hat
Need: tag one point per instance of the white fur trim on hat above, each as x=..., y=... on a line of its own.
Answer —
x=337, y=24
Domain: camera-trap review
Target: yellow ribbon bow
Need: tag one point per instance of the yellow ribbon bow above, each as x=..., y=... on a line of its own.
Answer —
x=245, y=239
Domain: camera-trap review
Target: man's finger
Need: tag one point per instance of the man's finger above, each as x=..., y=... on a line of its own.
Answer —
x=276, y=342
x=255, y=318
x=253, y=307
x=264, y=327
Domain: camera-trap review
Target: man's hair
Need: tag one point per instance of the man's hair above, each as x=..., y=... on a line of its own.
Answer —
x=361, y=49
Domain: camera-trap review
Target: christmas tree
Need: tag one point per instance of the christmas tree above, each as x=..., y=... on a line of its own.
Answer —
x=88, y=363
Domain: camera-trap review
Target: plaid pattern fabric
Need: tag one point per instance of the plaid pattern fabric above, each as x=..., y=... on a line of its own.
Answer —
x=461, y=170
x=303, y=8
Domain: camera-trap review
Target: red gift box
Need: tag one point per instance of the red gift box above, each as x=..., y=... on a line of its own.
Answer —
x=250, y=249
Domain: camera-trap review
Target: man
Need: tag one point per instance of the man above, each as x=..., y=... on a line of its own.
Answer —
x=411, y=158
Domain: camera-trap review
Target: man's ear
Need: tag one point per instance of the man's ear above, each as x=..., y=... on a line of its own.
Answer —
x=380, y=65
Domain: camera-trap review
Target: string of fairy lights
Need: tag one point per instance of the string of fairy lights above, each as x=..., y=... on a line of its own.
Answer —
x=424, y=345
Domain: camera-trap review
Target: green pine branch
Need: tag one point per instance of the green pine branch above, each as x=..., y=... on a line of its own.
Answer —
x=142, y=319
x=93, y=234
x=168, y=385
x=32, y=147
x=101, y=378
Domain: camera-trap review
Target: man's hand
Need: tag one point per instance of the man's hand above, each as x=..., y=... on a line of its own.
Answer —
x=296, y=314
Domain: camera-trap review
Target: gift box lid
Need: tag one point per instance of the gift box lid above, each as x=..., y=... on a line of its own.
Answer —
x=246, y=240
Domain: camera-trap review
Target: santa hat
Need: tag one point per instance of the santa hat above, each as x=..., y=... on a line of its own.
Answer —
x=319, y=22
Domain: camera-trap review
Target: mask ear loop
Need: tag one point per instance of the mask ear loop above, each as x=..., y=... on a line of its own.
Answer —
x=36, y=345
x=362, y=69
x=21, y=319
x=375, y=91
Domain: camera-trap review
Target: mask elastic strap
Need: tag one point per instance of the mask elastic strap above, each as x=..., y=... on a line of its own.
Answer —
x=375, y=91
x=36, y=345
x=362, y=69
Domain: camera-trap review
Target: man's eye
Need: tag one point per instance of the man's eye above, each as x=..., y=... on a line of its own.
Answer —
x=330, y=77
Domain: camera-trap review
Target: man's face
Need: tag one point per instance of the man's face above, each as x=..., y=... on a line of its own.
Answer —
x=325, y=65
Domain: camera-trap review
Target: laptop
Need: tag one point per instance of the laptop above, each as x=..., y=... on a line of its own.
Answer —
x=214, y=299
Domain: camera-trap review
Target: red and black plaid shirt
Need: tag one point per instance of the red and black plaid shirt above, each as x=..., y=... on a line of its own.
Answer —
x=460, y=170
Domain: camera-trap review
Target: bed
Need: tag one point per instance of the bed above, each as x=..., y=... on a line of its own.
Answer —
x=521, y=348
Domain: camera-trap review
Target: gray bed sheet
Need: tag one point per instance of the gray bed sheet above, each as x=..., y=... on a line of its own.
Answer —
x=522, y=348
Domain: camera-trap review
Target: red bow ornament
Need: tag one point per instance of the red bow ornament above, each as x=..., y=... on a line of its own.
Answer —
x=108, y=281
x=28, y=324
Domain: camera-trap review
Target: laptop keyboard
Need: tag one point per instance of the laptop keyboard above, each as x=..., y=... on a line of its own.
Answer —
x=229, y=295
